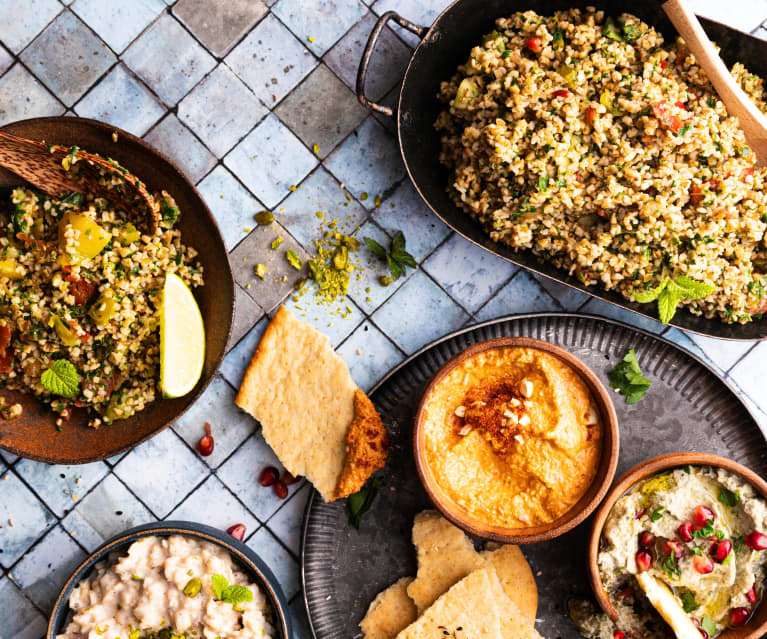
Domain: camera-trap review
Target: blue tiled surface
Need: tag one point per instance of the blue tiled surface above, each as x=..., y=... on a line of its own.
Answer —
x=239, y=104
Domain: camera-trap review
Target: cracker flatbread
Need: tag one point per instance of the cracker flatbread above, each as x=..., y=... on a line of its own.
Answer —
x=513, y=624
x=516, y=578
x=390, y=612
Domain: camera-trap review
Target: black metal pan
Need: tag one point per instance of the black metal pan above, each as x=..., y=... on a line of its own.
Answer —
x=444, y=46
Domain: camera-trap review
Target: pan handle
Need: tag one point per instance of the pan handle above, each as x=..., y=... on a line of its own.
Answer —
x=368, y=52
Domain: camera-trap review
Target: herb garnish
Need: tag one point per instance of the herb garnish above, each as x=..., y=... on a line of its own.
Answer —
x=670, y=568
x=688, y=602
x=61, y=379
x=707, y=624
x=398, y=259
x=657, y=514
x=628, y=380
x=359, y=503
x=670, y=292
x=705, y=531
x=233, y=594
x=729, y=498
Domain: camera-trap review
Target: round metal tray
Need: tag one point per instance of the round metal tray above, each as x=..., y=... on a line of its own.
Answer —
x=687, y=408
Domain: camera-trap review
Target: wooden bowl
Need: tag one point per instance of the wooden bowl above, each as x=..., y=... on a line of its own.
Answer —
x=582, y=508
x=757, y=624
x=34, y=433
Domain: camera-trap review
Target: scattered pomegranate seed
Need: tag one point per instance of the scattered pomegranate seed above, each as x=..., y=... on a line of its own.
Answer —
x=646, y=539
x=560, y=93
x=702, y=564
x=237, y=531
x=673, y=548
x=288, y=479
x=617, y=634
x=756, y=540
x=703, y=515
x=269, y=476
x=751, y=595
x=206, y=444
x=281, y=490
x=534, y=44
x=643, y=560
x=739, y=616
x=719, y=550
x=684, y=532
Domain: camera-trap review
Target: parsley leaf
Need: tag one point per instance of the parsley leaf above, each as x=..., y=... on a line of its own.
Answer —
x=688, y=602
x=670, y=292
x=657, y=514
x=705, y=531
x=234, y=594
x=729, y=498
x=543, y=182
x=628, y=380
x=670, y=568
x=61, y=379
x=708, y=625
x=359, y=503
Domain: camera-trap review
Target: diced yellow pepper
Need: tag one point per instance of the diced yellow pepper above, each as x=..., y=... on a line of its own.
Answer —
x=66, y=334
x=91, y=239
x=10, y=268
x=128, y=234
x=104, y=309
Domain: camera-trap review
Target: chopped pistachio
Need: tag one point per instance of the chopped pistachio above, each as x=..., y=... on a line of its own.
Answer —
x=264, y=218
x=260, y=270
x=276, y=242
x=294, y=260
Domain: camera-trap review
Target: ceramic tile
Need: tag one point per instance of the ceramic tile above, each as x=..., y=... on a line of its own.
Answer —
x=419, y=12
x=680, y=338
x=569, y=298
x=284, y=566
x=220, y=110
x=9, y=458
x=270, y=160
x=22, y=21
x=287, y=522
x=748, y=374
x=368, y=162
x=61, y=487
x=271, y=60
x=246, y=314
x=469, y=274
x=232, y=205
x=23, y=518
x=139, y=472
x=37, y=100
x=724, y=354
x=322, y=111
x=43, y=571
x=319, y=193
x=240, y=473
x=56, y=57
x=120, y=99
x=219, y=25
x=521, y=295
x=177, y=142
x=418, y=313
x=213, y=504
x=105, y=512
x=598, y=307
x=6, y=60
x=280, y=275
x=405, y=211
x=745, y=16
x=18, y=617
x=118, y=22
x=185, y=62
x=336, y=320
x=236, y=362
x=229, y=425
x=369, y=355
x=387, y=66
x=319, y=23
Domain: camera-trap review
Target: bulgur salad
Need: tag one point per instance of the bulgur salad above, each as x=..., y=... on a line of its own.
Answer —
x=80, y=287
x=590, y=142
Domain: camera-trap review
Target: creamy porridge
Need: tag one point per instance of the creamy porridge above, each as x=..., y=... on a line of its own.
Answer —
x=169, y=588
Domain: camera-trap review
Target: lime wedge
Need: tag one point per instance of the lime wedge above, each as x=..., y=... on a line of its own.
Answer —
x=182, y=339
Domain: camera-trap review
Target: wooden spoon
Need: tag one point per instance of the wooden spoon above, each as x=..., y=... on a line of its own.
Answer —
x=42, y=165
x=750, y=118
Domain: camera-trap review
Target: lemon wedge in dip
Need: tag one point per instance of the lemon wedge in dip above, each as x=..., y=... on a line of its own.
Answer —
x=182, y=338
x=666, y=604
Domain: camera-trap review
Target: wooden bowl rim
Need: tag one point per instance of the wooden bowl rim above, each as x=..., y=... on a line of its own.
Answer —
x=641, y=471
x=589, y=500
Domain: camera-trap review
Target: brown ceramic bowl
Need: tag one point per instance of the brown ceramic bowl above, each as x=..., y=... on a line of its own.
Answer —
x=34, y=434
x=757, y=625
x=585, y=505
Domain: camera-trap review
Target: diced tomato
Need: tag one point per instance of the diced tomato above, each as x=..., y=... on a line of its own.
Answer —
x=5, y=336
x=534, y=44
x=696, y=194
x=591, y=115
x=6, y=357
x=560, y=93
x=664, y=65
x=746, y=173
x=681, y=105
x=85, y=337
x=681, y=55
x=713, y=185
x=667, y=119
x=83, y=290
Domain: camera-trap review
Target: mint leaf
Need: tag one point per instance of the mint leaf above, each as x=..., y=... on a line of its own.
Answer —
x=688, y=602
x=657, y=514
x=628, y=380
x=219, y=586
x=667, y=303
x=359, y=503
x=708, y=624
x=693, y=290
x=404, y=258
x=650, y=296
x=236, y=594
x=729, y=498
x=398, y=242
x=61, y=379
x=375, y=247
x=394, y=267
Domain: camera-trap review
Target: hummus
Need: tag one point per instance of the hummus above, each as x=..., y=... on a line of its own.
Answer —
x=700, y=531
x=512, y=436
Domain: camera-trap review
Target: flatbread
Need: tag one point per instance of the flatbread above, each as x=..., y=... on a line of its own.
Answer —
x=516, y=578
x=469, y=605
x=445, y=556
x=513, y=624
x=304, y=397
x=390, y=612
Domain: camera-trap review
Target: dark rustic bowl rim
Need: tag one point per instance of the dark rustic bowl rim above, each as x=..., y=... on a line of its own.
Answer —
x=244, y=556
x=589, y=500
x=631, y=478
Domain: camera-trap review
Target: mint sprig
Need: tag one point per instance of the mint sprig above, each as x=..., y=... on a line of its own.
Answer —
x=397, y=258
x=234, y=594
x=670, y=292
x=61, y=379
x=360, y=502
x=628, y=380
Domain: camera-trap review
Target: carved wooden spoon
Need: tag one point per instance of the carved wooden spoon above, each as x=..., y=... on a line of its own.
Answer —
x=59, y=170
x=750, y=118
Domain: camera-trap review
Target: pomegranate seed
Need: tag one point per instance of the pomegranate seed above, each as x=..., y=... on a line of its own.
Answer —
x=739, y=616
x=756, y=540
x=625, y=594
x=281, y=490
x=675, y=548
x=719, y=550
x=617, y=634
x=646, y=539
x=703, y=515
x=237, y=531
x=751, y=595
x=702, y=564
x=534, y=44
x=684, y=532
x=643, y=560
x=560, y=93
x=288, y=479
x=269, y=476
x=206, y=444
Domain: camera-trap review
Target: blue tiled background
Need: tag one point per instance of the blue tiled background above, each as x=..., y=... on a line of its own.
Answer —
x=238, y=92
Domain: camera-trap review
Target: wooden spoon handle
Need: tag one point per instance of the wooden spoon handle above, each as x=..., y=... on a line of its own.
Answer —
x=738, y=104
